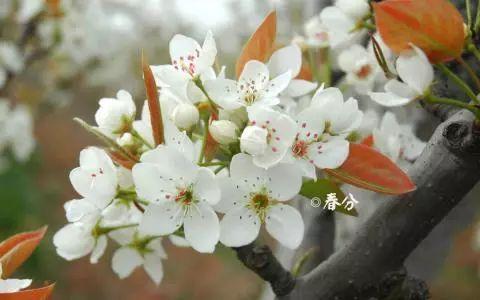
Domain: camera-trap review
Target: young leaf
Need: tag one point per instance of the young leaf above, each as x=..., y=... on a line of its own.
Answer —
x=260, y=45
x=320, y=189
x=42, y=293
x=435, y=26
x=153, y=103
x=368, y=141
x=367, y=168
x=16, y=249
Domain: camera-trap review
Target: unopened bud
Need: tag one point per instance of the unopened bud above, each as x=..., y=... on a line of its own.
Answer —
x=224, y=131
x=185, y=116
x=254, y=140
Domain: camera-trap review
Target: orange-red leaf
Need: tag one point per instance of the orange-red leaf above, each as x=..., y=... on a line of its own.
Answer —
x=121, y=160
x=42, y=293
x=16, y=249
x=368, y=141
x=435, y=26
x=153, y=103
x=305, y=72
x=261, y=44
x=369, y=169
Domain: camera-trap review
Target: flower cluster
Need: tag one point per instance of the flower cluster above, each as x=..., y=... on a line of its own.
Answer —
x=234, y=153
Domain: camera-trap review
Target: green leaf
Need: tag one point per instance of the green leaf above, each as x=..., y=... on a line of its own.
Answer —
x=320, y=189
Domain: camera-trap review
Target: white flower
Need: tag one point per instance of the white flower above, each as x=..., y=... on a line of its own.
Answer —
x=10, y=57
x=12, y=285
x=341, y=19
x=396, y=141
x=77, y=239
x=286, y=59
x=252, y=196
x=223, y=131
x=185, y=116
x=313, y=147
x=20, y=132
x=268, y=136
x=96, y=177
x=180, y=193
x=28, y=9
x=361, y=68
x=415, y=71
x=138, y=250
x=316, y=33
x=190, y=61
x=253, y=88
x=341, y=117
x=115, y=115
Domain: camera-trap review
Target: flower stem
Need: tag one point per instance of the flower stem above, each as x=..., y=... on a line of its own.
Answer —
x=215, y=163
x=474, y=50
x=199, y=84
x=204, y=143
x=459, y=81
x=140, y=138
x=452, y=102
x=468, y=5
x=470, y=71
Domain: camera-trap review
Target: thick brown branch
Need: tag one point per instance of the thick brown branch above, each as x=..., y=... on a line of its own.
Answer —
x=261, y=260
x=444, y=173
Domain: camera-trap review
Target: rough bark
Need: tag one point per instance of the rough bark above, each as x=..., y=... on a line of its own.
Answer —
x=444, y=173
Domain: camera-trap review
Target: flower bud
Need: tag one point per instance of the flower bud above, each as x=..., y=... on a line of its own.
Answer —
x=185, y=116
x=126, y=140
x=254, y=140
x=116, y=114
x=224, y=131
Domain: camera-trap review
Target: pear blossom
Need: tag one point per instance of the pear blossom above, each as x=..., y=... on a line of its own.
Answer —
x=316, y=33
x=95, y=178
x=77, y=238
x=313, y=148
x=341, y=117
x=180, y=193
x=137, y=250
x=253, y=88
x=268, y=136
x=416, y=74
x=19, y=132
x=252, y=196
x=11, y=60
x=341, y=19
x=361, y=68
x=12, y=285
x=397, y=141
x=115, y=115
x=223, y=131
x=189, y=62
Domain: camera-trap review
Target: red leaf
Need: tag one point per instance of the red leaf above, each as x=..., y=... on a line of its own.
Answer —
x=42, y=293
x=369, y=169
x=16, y=249
x=121, y=160
x=368, y=141
x=153, y=103
x=305, y=72
x=261, y=44
x=435, y=26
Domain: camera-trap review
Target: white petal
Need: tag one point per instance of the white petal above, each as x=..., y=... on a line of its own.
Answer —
x=154, y=267
x=208, y=53
x=327, y=98
x=125, y=260
x=202, y=229
x=310, y=124
x=13, y=285
x=329, y=155
x=415, y=70
x=284, y=181
x=99, y=249
x=205, y=187
x=254, y=73
x=277, y=84
x=300, y=87
x=168, y=76
x=389, y=99
x=182, y=46
x=285, y=224
x=412, y=146
x=77, y=209
x=151, y=184
x=161, y=219
x=178, y=241
x=234, y=194
x=400, y=89
x=239, y=227
x=284, y=59
x=308, y=168
x=179, y=140
x=73, y=241
x=242, y=168
x=223, y=92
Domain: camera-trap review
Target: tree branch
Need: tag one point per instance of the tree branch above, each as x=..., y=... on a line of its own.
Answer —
x=447, y=169
x=261, y=260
